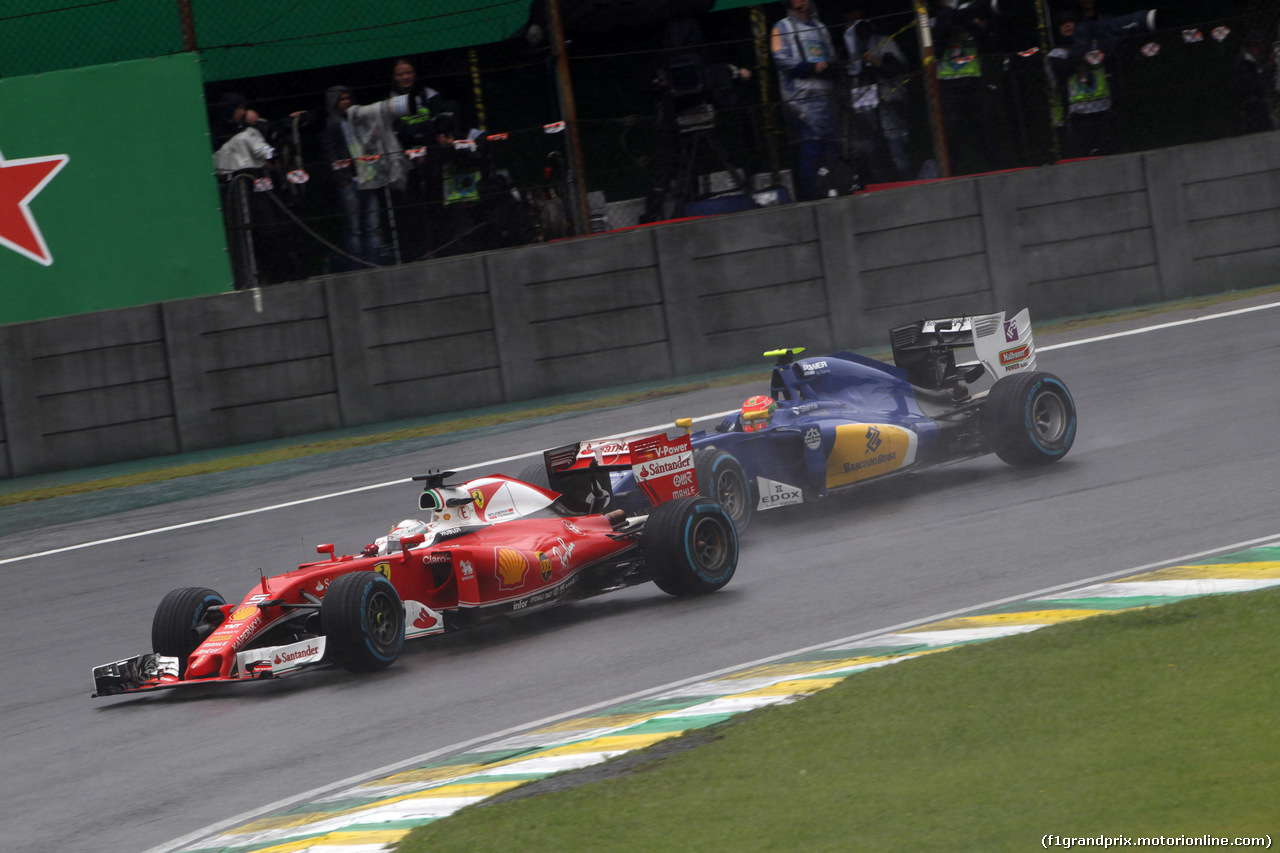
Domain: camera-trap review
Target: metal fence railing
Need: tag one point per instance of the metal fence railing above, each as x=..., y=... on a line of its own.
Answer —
x=693, y=123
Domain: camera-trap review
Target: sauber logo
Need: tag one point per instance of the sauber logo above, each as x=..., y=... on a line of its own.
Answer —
x=511, y=568
x=20, y=182
x=812, y=438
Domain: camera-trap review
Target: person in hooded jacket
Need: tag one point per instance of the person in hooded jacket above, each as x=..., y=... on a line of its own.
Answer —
x=878, y=99
x=804, y=55
x=361, y=146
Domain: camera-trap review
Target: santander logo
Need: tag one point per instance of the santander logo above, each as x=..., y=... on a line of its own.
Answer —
x=20, y=182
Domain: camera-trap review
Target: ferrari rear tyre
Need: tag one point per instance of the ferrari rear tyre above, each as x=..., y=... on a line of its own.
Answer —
x=690, y=546
x=362, y=618
x=1029, y=419
x=536, y=475
x=720, y=477
x=184, y=619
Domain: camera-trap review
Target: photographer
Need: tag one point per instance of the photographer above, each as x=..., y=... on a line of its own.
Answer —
x=804, y=55
x=685, y=80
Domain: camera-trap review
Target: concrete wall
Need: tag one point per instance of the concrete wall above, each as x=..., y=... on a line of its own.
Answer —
x=638, y=305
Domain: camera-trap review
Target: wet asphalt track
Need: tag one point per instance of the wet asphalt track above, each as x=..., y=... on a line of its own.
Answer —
x=1178, y=452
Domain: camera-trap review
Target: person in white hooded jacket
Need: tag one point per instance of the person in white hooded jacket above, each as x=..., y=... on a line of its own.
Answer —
x=365, y=154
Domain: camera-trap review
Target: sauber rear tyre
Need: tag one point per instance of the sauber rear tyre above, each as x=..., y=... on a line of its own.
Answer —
x=1029, y=419
x=362, y=618
x=690, y=546
x=184, y=619
x=720, y=477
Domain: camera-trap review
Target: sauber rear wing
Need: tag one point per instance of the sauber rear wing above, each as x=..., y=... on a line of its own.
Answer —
x=663, y=467
x=926, y=348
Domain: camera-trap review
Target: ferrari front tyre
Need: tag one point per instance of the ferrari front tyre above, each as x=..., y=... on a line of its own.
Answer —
x=184, y=619
x=720, y=477
x=362, y=618
x=1029, y=419
x=690, y=546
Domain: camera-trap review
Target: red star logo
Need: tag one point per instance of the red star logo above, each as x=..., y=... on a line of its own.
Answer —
x=20, y=182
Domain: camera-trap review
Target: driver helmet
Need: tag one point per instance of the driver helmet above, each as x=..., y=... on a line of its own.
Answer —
x=408, y=527
x=757, y=412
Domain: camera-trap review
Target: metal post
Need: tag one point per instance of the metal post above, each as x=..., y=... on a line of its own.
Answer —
x=188, y=23
x=760, y=35
x=576, y=179
x=477, y=92
x=934, y=98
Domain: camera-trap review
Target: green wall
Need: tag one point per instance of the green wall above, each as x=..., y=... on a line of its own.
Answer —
x=133, y=216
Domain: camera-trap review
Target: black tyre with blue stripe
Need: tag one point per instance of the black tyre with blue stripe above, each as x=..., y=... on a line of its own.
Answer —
x=362, y=618
x=184, y=618
x=720, y=477
x=1029, y=419
x=690, y=546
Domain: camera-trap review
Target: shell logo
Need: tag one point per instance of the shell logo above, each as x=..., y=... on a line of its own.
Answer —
x=511, y=569
x=544, y=563
x=243, y=613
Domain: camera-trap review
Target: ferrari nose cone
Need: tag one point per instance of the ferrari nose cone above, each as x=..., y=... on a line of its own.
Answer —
x=204, y=666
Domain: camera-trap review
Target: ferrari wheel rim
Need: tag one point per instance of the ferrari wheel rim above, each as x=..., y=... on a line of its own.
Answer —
x=380, y=616
x=710, y=545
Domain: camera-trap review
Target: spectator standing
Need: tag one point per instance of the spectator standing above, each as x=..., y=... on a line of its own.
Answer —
x=1256, y=75
x=877, y=107
x=240, y=160
x=366, y=158
x=1080, y=71
x=803, y=53
x=412, y=203
x=964, y=32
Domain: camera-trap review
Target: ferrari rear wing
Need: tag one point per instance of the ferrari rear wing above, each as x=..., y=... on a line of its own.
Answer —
x=663, y=468
x=926, y=349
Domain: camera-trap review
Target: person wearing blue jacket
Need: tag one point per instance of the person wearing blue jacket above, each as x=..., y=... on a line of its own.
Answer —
x=804, y=54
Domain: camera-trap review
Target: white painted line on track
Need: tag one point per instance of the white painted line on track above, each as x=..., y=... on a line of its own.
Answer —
x=586, y=710
x=492, y=462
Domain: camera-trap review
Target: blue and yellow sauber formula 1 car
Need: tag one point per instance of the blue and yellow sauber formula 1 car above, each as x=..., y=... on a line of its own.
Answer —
x=836, y=421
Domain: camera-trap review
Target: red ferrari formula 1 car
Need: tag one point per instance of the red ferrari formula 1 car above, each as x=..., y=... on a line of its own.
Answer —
x=493, y=545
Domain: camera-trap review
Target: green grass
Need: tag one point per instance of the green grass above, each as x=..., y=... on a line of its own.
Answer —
x=1163, y=721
